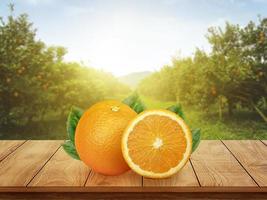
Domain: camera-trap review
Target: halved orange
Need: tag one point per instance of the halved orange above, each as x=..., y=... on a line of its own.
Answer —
x=156, y=143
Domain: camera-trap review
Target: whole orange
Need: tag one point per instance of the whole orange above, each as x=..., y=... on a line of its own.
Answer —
x=98, y=136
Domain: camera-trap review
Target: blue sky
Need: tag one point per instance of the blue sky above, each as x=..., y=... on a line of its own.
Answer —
x=129, y=36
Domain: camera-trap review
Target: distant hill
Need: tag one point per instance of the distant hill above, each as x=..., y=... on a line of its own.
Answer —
x=133, y=79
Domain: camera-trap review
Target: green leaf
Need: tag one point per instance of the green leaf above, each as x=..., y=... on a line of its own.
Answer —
x=177, y=108
x=70, y=149
x=73, y=119
x=196, y=133
x=196, y=136
x=135, y=102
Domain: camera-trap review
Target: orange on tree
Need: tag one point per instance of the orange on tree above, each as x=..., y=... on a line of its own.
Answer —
x=98, y=136
x=156, y=143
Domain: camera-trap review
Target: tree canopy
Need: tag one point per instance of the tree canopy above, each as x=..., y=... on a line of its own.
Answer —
x=35, y=79
x=233, y=74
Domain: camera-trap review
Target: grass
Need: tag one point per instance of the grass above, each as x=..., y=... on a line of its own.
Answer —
x=242, y=125
x=38, y=130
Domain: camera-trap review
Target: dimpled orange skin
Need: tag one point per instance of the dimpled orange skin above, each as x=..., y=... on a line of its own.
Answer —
x=98, y=136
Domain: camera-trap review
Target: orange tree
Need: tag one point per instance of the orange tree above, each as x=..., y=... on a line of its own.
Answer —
x=229, y=70
x=233, y=73
x=23, y=62
x=239, y=64
x=160, y=85
x=35, y=80
x=254, y=93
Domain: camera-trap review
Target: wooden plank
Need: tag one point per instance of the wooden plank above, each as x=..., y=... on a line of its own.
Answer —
x=8, y=146
x=61, y=170
x=252, y=154
x=216, y=166
x=22, y=165
x=184, y=178
x=132, y=196
x=130, y=189
x=128, y=179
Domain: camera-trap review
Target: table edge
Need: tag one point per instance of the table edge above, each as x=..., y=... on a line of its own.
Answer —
x=93, y=189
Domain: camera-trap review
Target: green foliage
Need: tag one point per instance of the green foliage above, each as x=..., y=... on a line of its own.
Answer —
x=245, y=124
x=73, y=119
x=196, y=137
x=160, y=85
x=233, y=74
x=72, y=122
x=177, y=108
x=35, y=80
x=70, y=149
x=196, y=133
x=134, y=102
x=37, y=88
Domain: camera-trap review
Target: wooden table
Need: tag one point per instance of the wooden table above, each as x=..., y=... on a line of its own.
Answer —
x=37, y=169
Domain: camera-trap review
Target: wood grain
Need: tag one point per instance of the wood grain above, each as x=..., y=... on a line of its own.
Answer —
x=132, y=196
x=252, y=154
x=185, y=177
x=22, y=165
x=45, y=168
x=216, y=166
x=8, y=146
x=128, y=179
x=61, y=170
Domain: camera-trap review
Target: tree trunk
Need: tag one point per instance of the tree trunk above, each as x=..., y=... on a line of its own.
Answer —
x=43, y=114
x=7, y=109
x=230, y=108
x=259, y=112
x=30, y=119
x=62, y=113
x=220, y=108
